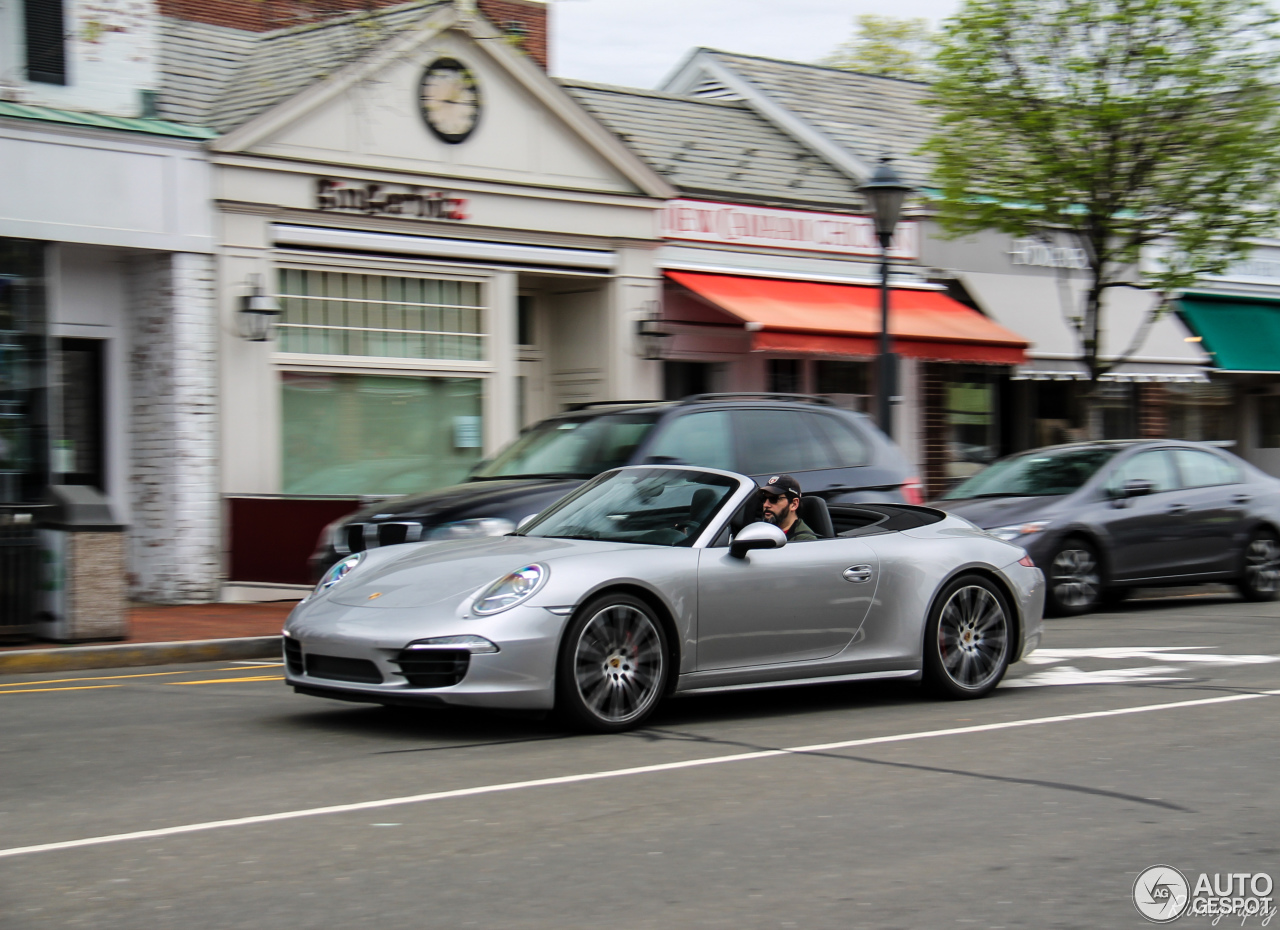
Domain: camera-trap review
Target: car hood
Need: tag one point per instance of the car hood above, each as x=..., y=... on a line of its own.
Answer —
x=461, y=499
x=990, y=512
x=432, y=573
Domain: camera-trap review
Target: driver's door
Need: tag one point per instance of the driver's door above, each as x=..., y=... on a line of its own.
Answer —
x=804, y=601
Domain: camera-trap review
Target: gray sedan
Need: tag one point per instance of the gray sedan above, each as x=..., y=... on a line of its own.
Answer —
x=655, y=580
x=1101, y=518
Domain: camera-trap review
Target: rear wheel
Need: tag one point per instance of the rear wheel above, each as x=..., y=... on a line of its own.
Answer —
x=968, y=639
x=1074, y=579
x=1260, y=579
x=613, y=666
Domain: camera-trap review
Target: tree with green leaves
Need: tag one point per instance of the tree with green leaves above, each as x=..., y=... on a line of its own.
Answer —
x=887, y=46
x=1145, y=131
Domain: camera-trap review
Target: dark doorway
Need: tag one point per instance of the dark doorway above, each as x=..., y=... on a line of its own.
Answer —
x=78, y=456
x=682, y=379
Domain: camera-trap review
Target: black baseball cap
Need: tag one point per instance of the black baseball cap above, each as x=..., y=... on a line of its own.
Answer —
x=778, y=485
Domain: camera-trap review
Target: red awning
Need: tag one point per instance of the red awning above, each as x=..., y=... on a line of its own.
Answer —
x=808, y=318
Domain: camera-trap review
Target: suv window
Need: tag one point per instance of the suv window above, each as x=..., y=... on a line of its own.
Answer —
x=846, y=445
x=1204, y=469
x=772, y=441
x=694, y=439
x=577, y=447
x=1155, y=466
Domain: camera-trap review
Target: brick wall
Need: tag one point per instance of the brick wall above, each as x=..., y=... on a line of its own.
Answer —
x=934, y=449
x=174, y=540
x=525, y=18
x=1153, y=419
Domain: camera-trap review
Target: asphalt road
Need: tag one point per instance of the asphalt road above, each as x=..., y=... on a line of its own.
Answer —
x=1036, y=807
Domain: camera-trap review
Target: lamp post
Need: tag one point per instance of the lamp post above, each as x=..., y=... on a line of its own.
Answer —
x=885, y=194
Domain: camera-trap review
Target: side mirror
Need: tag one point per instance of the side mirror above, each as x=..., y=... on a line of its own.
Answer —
x=525, y=521
x=757, y=536
x=1137, y=487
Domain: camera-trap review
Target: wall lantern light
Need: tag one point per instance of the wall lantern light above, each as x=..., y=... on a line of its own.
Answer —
x=651, y=332
x=258, y=312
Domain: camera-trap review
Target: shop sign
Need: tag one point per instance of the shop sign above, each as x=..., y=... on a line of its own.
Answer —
x=734, y=224
x=1044, y=255
x=377, y=200
x=1254, y=268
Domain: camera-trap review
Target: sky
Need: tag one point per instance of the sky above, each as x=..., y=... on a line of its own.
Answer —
x=637, y=43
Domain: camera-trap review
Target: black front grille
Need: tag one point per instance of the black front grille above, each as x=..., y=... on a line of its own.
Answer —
x=341, y=669
x=434, y=668
x=293, y=656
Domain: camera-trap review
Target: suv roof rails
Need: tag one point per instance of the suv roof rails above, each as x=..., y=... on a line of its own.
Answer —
x=757, y=395
x=607, y=403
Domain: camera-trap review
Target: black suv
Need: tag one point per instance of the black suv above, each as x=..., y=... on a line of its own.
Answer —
x=833, y=453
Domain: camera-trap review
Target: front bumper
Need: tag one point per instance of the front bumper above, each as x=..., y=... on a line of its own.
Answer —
x=327, y=645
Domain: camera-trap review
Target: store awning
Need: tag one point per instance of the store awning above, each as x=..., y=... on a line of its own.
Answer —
x=1239, y=334
x=810, y=318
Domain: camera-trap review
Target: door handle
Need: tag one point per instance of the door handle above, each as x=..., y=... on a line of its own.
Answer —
x=1241, y=499
x=1177, y=509
x=857, y=573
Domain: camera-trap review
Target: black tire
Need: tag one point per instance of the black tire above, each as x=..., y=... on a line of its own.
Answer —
x=1260, y=574
x=968, y=639
x=1074, y=579
x=613, y=665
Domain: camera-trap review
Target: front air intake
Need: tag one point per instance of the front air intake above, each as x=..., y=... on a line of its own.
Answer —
x=434, y=668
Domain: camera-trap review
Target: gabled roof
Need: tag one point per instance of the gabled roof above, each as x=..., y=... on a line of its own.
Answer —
x=716, y=149
x=865, y=116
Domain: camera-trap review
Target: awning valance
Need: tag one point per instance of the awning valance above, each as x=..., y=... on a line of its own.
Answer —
x=1239, y=334
x=811, y=318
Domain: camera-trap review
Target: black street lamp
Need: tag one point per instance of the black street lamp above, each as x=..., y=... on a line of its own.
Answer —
x=884, y=194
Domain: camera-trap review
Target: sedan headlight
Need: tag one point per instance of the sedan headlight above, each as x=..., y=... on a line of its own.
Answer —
x=337, y=572
x=1018, y=530
x=477, y=526
x=510, y=590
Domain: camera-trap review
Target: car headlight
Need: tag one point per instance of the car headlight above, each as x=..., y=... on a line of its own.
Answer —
x=467, y=529
x=1018, y=530
x=337, y=571
x=510, y=590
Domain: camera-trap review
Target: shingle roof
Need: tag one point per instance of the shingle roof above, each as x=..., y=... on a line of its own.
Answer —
x=223, y=77
x=715, y=148
x=871, y=116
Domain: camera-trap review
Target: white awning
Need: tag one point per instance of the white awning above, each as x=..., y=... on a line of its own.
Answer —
x=1033, y=305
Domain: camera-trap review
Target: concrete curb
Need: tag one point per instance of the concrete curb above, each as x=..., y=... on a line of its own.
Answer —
x=128, y=655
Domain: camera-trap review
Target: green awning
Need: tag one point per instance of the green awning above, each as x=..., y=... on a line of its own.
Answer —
x=155, y=127
x=1239, y=333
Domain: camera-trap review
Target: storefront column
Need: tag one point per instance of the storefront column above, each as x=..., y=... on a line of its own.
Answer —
x=934, y=451
x=633, y=294
x=175, y=540
x=1153, y=419
x=500, y=425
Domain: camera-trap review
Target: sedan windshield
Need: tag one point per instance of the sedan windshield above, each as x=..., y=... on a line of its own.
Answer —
x=571, y=447
x=653, y=506
x=1047, y=471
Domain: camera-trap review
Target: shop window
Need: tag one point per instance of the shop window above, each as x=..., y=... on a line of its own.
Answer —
x=23, y=409
x=1201, y=412
x=785, y=376
x=1052, y=412
x=78, y=450
x=1117, y=406
x=338, y=313
x=526, y=334
x=685, y=379
x=971, y=424
x=1269, y=421
x=375, y=434
x=846, y=383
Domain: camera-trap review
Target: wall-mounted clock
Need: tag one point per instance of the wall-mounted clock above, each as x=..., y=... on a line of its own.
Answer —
x=450, y=99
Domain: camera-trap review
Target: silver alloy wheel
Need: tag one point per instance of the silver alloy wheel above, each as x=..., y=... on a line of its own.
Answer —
x=973, y=637
x=1262, y=565
x=1076, y=580
x=618, y=663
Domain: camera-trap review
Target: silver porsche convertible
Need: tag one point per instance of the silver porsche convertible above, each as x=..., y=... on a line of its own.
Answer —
x=657, y=580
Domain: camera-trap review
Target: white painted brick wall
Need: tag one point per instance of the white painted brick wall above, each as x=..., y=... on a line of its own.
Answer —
x=175, y=540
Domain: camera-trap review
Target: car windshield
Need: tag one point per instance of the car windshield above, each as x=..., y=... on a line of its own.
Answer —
x=652, y=506
x=571, y=447
x=1043, y=472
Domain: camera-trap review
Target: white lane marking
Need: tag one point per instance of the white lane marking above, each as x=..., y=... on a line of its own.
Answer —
x=1181, y=654
x=1070, y=675
x=619, y=773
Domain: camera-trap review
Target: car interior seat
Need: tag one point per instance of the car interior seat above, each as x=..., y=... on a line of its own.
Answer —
x=703, y=500
x=813, y=511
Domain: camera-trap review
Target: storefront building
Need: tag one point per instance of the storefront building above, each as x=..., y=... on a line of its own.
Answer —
x=456, y=248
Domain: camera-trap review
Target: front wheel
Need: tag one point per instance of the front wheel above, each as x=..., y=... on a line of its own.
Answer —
x=1260, y=580
x=968, y=639
x=613, y=666
x=1074, y=579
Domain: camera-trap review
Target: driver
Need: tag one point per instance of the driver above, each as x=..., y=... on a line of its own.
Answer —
x=781, y=499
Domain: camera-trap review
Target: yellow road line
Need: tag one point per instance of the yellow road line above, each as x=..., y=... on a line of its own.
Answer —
x=55, y=681
x=221, y=681
x=251, y=668
x=82, y=688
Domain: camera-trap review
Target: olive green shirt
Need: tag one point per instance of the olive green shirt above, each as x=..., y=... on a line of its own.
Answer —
x=800, y=532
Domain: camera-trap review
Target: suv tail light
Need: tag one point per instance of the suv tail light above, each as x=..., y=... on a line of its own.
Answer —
x=913, y=491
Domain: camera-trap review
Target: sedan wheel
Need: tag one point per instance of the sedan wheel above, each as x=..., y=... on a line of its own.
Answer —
x=1075, y=579
x=1260, y=580
x=968, y=640
x=613, y=665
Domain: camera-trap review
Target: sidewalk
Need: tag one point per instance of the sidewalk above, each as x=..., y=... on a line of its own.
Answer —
x=159, y=635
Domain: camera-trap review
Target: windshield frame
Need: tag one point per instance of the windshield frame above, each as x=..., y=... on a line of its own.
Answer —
x=715, y=521
x=549, y=427
x=1108, y=452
